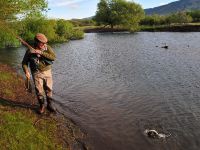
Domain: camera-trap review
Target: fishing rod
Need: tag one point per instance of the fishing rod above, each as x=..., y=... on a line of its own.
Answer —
x=30, y=48
x=28, y=81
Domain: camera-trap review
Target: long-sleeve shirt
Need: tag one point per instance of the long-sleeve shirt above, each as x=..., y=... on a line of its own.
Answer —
x=38, y=63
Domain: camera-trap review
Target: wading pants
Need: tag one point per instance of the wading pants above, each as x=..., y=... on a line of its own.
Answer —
x=43, y=85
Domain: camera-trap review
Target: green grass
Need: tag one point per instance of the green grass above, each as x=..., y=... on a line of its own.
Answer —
x=7, y=81
x=4, y=76
x=17, y=131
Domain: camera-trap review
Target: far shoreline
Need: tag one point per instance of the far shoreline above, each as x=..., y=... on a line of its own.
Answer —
x=166, y=28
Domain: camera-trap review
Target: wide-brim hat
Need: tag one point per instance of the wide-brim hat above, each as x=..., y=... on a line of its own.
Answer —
x=41, y=37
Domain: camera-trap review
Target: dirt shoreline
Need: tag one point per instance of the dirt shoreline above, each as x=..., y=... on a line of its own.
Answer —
x=15, y=99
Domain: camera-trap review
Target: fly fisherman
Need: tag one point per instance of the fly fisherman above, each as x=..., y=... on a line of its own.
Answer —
x=40, y=60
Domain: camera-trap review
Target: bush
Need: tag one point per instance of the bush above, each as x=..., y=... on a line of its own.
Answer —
x=56, y=30
x=77, y=34
x=153, y=20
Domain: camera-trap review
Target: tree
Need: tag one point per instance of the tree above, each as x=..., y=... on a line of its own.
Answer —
x=11, y=10
x=103, y=14
x=179, y=17
x=153, y=20
x=119, y=12
x=195, y=14
x=64, y=28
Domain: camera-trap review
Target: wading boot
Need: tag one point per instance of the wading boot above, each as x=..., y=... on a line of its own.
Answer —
x=50, y=106
x=42, y=107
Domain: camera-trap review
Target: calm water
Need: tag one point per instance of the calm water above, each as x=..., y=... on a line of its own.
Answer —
x=117, y=85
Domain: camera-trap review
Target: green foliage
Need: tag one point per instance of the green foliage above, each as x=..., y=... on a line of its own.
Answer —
x=119, y=12
x=4, y=76
x=77, y=34
x=103, y=14
x=31, y=22
x=64, y=29
x=179, y=17
x=38, y=25
x=10, y=8
x=154, y=20
x=195, y=14
x=175, y=18
x=55, y=30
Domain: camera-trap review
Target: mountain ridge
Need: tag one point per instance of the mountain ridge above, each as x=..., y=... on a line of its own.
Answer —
x=180, y=5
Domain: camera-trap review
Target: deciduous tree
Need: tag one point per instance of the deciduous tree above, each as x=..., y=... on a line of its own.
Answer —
x=119, y=12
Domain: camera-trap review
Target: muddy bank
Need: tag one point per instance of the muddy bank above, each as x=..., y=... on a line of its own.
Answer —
x=18, y=114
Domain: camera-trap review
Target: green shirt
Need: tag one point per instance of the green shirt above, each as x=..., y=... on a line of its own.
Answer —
x=38, y=63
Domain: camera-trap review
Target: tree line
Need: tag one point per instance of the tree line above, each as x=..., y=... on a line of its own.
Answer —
x=26, y=18
x=174, y=18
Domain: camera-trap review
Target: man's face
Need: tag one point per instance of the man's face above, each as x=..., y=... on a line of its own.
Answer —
x=41, y=45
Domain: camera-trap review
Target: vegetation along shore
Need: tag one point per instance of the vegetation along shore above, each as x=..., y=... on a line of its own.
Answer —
x=20, y=125
x=120, y=15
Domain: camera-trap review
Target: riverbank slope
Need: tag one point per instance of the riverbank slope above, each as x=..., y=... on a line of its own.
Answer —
x=20, y=125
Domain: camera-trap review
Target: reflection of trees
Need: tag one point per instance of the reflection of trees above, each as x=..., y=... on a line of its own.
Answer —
x=12, y=56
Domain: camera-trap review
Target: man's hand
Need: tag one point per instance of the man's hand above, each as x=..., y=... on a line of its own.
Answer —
x=38, y=52
x=28, y=75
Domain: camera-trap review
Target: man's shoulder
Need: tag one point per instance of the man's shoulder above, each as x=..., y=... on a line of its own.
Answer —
x=49, y=47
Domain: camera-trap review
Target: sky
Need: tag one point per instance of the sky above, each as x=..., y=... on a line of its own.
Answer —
x=69, y=9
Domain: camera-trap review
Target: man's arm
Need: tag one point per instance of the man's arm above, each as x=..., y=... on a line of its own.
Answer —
x=49, y=54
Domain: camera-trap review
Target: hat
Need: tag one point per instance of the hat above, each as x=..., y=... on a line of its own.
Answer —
x=41, y=37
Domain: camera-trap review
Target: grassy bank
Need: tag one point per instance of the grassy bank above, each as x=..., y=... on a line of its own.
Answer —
x=22, y=128
x=190, y=27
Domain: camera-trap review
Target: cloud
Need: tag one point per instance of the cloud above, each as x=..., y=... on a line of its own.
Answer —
x=64, y=3
x=169, y=1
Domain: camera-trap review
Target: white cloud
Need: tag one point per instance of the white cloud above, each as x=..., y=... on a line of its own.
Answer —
x=166, y=2
x=62, y=3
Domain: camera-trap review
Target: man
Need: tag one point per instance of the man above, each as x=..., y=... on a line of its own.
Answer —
x=40, y=60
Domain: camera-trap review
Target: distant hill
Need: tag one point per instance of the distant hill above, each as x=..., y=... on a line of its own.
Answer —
x=180, y=5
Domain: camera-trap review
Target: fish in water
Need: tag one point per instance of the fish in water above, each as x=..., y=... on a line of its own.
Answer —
x=154, y=134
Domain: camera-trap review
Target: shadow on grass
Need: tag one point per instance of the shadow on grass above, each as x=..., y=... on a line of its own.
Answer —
x=11, y=103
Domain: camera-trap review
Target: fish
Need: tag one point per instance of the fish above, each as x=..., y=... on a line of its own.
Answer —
x=154, y=134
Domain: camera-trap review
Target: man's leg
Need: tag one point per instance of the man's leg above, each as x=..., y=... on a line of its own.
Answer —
x=39, y=81
x=48, y=90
